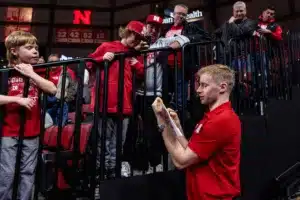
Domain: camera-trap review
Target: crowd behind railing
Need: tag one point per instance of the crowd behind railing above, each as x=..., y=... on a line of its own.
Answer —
x=98, y=124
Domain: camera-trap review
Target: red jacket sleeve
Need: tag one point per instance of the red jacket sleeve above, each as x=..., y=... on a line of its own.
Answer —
x=97, y=55
x=277, y=34
x=139, y=67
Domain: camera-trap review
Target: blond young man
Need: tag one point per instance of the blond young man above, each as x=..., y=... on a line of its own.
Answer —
x=212, y=156
x=22, y=53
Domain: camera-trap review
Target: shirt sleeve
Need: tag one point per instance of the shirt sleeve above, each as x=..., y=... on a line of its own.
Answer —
x=97, y=56
x=139, y=66
x=208, y=140
x=277, y=34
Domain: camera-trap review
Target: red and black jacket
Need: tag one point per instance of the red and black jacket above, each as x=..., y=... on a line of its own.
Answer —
x=272, y=26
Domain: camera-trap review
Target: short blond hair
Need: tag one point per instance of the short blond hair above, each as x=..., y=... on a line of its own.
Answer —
x=219, y=73
x=17, y=39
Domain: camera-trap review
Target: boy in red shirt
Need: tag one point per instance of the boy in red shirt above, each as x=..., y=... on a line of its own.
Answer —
x=131, y=37
x=212, y=156
x=22, y=53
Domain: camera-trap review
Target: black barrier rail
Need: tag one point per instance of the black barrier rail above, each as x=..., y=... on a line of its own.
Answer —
x=263, y=72
x=122, y=96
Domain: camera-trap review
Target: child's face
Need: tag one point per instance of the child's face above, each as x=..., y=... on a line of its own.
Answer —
x=133, y=40
x=27, y=53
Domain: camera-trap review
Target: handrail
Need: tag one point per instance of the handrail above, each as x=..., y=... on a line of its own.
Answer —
x=56, y=63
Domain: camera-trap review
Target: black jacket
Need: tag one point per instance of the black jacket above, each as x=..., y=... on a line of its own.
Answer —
x=231, y=32
x=193, y=31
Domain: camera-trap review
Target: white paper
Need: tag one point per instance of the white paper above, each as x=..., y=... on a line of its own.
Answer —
x=175, y=129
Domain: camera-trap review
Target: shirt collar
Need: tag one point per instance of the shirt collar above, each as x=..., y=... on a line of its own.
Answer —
x=219, y=109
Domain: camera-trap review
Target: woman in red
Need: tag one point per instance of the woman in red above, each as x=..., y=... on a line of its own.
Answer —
x=131, y=37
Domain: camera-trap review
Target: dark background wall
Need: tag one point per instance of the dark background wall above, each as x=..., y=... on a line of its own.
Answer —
x=108, y=15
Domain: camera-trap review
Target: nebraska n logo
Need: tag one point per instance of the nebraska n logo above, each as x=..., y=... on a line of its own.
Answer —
x=82, y=17
x=156, y=18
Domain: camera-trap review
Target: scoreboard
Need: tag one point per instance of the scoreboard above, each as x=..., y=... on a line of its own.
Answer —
x=83, y=36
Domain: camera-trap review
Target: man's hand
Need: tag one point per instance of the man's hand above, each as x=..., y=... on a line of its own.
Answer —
x=175, y=45
x=264, y=31
x=25, y=69
x=108, y=56
x=159, y=111
x=232, y=19
x=26, y=102
x=142, y=46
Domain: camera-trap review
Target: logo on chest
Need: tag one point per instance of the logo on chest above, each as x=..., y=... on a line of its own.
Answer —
x=198, y=128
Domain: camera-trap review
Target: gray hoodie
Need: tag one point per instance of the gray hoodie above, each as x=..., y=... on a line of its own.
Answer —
x=155, y=61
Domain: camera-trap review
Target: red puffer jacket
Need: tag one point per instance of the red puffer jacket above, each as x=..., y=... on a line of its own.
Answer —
x=113, y=78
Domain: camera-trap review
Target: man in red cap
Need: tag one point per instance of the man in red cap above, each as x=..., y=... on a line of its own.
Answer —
x=154, y=71
x=152, y=28
x=130, y=36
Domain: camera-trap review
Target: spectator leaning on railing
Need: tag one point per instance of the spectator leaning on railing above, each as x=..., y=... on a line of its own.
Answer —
x=154, y=71
x=194, y=33
x=22, y=53
x=131, y=36
x=267, y=25
x=239, y=26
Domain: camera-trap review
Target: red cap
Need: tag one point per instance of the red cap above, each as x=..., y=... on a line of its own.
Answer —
x=136, y=26
x=154, y=19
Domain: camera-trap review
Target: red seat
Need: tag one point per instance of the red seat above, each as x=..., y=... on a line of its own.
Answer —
x=67, y=139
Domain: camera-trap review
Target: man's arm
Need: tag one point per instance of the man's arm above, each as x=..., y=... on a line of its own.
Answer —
x=277, y=34
x=182, y=157
x=166, y=42
x=197, y=34
x=200, y=148
x=246, y=30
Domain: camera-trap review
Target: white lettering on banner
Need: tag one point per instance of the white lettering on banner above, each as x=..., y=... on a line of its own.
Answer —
x=194, y=15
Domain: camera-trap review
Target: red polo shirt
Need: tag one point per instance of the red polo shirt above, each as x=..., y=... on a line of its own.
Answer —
x=216, y=140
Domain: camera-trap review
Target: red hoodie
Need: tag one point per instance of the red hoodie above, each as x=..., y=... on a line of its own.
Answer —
x=113, y=78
